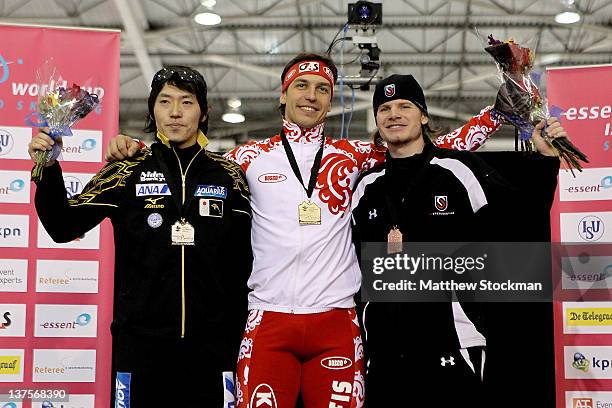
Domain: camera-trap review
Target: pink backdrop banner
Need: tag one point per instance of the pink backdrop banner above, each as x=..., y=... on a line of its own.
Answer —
x=56, y=300
x=582, y=218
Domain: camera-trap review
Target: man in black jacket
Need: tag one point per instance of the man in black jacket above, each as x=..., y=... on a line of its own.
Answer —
x=181, y=214
x=424, y=354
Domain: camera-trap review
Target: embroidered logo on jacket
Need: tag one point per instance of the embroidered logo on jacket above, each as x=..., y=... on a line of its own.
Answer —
x=143, y=190
x=441, y=202
x=211, y=191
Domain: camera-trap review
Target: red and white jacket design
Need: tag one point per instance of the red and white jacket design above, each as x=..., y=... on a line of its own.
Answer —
x=313, y=268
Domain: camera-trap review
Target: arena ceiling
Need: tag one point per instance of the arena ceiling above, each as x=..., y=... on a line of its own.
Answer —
x=243, y=56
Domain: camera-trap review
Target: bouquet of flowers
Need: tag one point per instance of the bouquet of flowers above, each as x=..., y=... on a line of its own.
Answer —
x=519, y=100
x=59, y=107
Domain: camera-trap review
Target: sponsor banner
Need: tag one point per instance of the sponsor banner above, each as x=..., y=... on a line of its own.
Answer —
x=588, y=362
x=74, y=401
x=67, y=276
x=588, y=399
x=588, y=185
x=591, y=227
x=582, y=95
x=83, y=146
x=66, y=321
x=91, y=239
x=14, y=230
x=14, y=142
x=74, y=182
x=587, y=317
x=13, y=275
x=586, y=272
x=14, y=186
x=11, y=365
x=12, y=320
x=95, y=67
x=61, y=365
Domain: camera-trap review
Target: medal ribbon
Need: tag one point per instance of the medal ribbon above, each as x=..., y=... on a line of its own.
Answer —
x=314, y=172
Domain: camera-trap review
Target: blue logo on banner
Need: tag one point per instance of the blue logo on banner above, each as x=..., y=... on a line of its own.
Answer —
x=122, y=390
x=211, y=191
x=17, y=185
x=88, y=144
x=9, y=405
x=83, y=319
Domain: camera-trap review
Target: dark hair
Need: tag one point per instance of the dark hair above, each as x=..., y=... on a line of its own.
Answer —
x=427, y=131
x=308, y=57
x=184, y=78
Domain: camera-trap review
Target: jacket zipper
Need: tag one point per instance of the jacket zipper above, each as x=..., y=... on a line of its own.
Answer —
x=183, y=178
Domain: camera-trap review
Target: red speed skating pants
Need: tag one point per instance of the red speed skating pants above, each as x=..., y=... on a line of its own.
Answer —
x=319, y=354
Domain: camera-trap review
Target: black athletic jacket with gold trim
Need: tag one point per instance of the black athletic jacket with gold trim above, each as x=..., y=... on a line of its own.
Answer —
x=163, y=289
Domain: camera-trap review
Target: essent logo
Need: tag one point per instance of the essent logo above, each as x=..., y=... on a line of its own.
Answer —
x=606, y=182
x=6, y=142
x=14, y=186
x=88, y=144
x=82, y=320
x=9, y=405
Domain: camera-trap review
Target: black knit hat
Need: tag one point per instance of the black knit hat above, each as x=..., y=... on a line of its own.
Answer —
x=399, y=87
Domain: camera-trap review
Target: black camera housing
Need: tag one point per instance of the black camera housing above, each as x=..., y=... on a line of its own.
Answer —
x=365, y=13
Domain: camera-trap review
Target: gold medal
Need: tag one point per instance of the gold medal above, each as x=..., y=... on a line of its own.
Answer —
x=309, y=213
x=182, y=233
x=394, y=240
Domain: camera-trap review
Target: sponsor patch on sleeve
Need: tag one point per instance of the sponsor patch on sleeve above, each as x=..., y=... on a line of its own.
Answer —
x=206, y=190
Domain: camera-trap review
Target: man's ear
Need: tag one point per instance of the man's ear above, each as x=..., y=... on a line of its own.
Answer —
x=424, y=119
x=283, y=98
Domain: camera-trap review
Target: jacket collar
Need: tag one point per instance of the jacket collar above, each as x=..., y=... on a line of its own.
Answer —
x=202, y=139
x=295, y=133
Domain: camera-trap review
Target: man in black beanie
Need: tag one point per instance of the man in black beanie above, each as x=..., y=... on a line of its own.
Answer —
x=423, y=193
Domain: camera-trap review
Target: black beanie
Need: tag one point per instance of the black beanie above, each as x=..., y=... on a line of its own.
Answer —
x=399, y=87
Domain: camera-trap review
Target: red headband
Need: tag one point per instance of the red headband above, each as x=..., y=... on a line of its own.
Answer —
x=308, y=68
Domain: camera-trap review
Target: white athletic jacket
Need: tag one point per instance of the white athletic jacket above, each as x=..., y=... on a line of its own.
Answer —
x=313, y=268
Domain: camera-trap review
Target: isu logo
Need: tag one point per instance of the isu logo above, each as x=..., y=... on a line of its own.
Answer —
x=272, y=178
x=389, y=90
x=441, y=203
x=263, y=396
x=591, y=228
x=336, y=363
x=582, y=402
x=309, y=67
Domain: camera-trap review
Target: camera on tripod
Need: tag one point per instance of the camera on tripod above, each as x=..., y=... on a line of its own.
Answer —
x=364, y=17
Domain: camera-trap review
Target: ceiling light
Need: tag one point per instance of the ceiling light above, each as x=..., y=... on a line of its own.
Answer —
x=569, y=14
x=234, y=103
x=567, y=17
x=208, y=19
x=233, y=117
x=208, y=3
